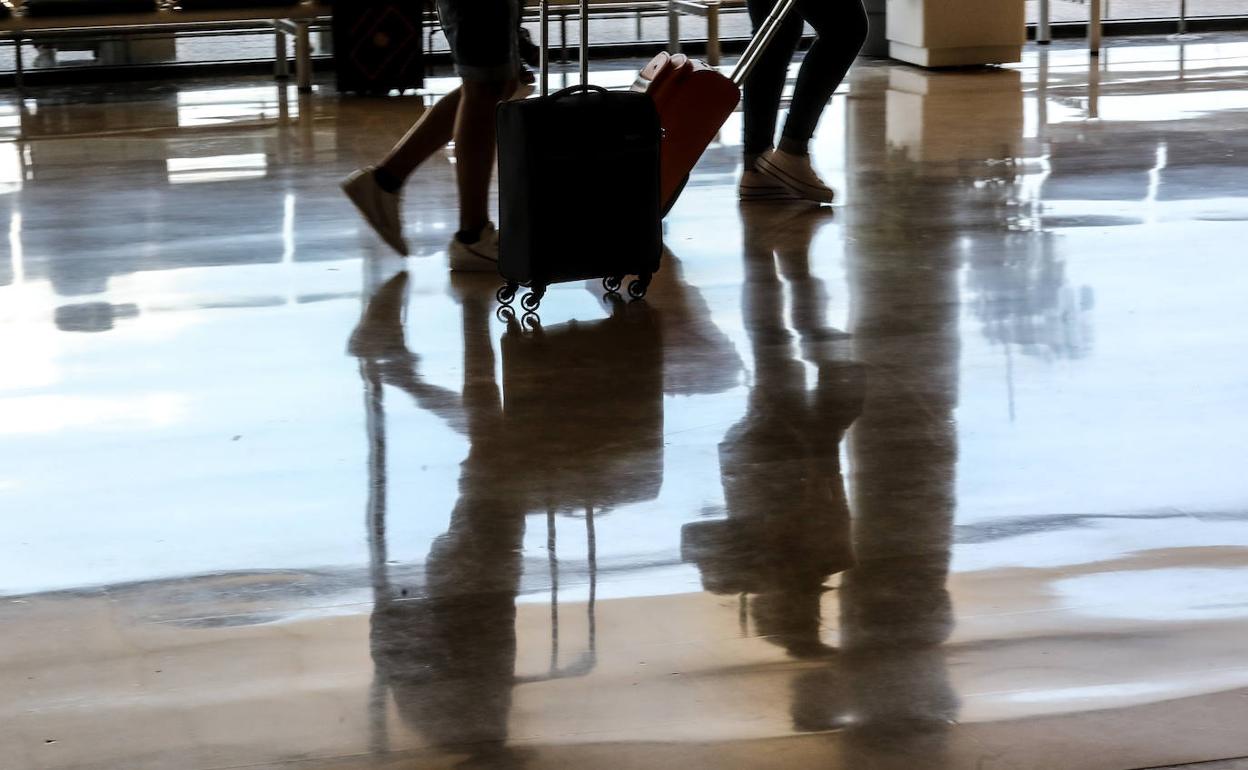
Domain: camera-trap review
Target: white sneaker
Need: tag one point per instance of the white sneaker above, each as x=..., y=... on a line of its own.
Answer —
x=381, y=209
x=795, y=173
x=479, y=257
x=756, y=186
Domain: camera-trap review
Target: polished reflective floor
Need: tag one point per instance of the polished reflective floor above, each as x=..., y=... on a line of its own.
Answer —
x=948, y=475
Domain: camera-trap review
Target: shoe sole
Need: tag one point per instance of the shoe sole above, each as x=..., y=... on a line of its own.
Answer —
x=469, y=261
x=482, y=265
x=349, y=191
x=766, y=194
x=794, y=185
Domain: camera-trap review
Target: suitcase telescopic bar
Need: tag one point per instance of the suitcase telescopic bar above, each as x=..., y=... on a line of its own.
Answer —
x=543, y=37
x=584, y=42
x=762, y=38
x=543, y=16
x=753, y=52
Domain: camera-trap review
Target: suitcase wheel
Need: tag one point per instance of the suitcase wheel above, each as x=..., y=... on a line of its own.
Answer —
x=637, y=288
x=533, y=300
x=506, y=294
x=612, y=283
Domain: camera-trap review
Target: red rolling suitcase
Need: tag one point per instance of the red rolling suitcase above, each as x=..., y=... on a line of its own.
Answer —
x=694, y=99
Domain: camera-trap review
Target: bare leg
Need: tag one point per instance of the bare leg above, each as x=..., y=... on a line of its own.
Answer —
x=474, y=149
x=430, y=134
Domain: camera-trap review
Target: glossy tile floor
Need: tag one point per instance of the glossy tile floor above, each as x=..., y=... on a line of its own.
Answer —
x=947, y=476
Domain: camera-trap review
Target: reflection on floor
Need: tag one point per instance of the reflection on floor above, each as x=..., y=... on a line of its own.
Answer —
x=946, y=476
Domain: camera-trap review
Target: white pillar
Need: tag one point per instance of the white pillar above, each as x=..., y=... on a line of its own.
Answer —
x=955, y=33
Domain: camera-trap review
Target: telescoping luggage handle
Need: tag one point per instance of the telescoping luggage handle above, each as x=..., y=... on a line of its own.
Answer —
x=762, y=38
x=753, y=52
x=544, y=37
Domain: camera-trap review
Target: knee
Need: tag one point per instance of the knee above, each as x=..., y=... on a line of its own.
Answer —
x=842, y=22
x=491, y=92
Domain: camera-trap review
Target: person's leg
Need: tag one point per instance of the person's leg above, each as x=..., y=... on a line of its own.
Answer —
x=429, y=134
x=484, y=38
x=840, y=29
x=375, y=189
x=760, y=100
x=474, y=153
x=433, y=131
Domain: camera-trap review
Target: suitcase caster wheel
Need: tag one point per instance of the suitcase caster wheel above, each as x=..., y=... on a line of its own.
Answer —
x=532, y=301
x=612, y=284
x=532, y=321
x=505, y=294
x=505, y=314
x=637, y=288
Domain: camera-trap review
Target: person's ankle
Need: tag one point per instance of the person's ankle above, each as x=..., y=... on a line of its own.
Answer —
x=751, y=158
x=794, y=146
x=387, y=180
x=469, y=235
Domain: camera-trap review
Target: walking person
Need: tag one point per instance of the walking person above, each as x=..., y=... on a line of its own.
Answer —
x=784, y=172
x=485, y=43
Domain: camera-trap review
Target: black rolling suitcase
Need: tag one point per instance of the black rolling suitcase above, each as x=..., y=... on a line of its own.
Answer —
x=578, y=182
x=378, y=46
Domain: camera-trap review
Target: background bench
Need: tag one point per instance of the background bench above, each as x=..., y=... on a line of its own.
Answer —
x=1043, y=33
x=294, y=19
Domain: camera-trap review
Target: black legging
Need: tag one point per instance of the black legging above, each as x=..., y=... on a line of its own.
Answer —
x=840, y=31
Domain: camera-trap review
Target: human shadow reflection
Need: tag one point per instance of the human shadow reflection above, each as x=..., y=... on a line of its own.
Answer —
x=787, y=525
x=443, y=652
x=877, y=673
x=575, y=430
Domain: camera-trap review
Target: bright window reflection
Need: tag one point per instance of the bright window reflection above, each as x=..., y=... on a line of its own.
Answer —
x=11, y=173
x=216, y=168
x=231, y=105
x=1178, y=593
x=52, y=413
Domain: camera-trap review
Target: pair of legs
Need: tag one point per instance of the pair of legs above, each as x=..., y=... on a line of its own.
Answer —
x=787, y=174
x=788, y=524
x=484, y=37
x=840, y=31
x=467, y=116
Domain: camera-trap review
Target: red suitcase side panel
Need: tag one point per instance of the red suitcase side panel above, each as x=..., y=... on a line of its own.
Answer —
x=693, y=101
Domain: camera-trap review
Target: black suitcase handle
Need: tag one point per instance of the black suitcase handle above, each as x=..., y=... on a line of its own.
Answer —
x=578, y=88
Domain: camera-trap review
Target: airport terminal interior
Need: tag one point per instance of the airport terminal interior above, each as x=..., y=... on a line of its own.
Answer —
x=939, y=477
